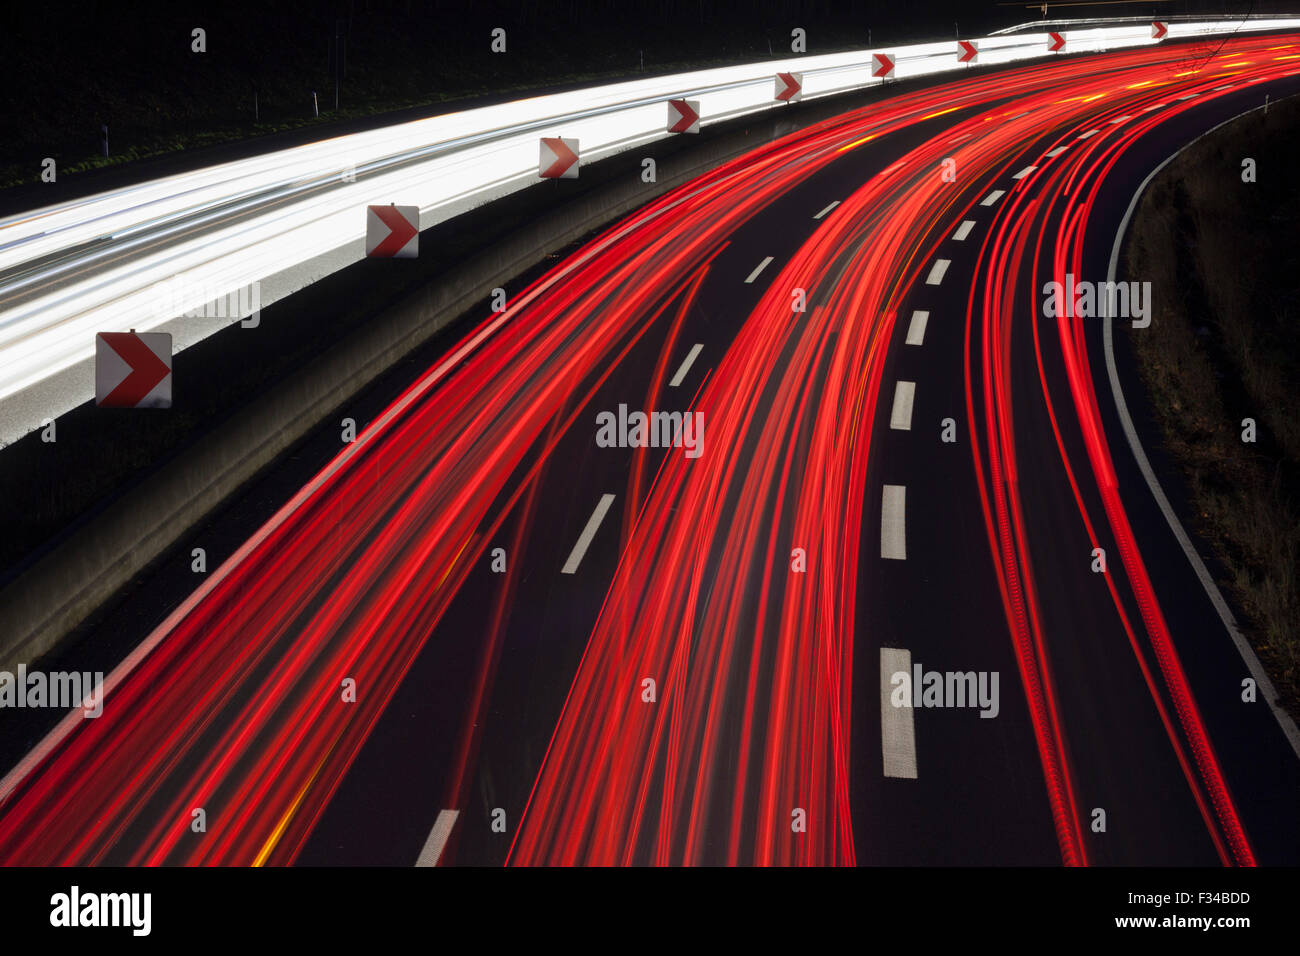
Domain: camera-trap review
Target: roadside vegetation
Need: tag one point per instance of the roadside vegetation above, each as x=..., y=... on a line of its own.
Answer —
x=68, y=72
x=1223, y=347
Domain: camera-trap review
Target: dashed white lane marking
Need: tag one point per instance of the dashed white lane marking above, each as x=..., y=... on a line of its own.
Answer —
x=1153, y=106
x=759, y=268
x=1225, y=86
x=1091, y=132
x=1024, y=172
x=900, y=417
x=893, y=522
x=1188, y=96
x=963, y=230
x=1120, y=119
x=897, y=724
x=937, y=271
x=916, y=328
x=1057, y=152
x=589, y=532
x=827, y=209
x=438, y=837
x=993, y=197
x=685, y=367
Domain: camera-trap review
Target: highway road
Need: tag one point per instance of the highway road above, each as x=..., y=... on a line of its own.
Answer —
x=479, y=635
x=189, y=253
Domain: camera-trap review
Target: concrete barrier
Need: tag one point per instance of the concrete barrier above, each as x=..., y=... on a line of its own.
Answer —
x=54, y=596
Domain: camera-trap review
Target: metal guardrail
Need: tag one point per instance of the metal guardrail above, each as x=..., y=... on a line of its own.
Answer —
x=142, y=257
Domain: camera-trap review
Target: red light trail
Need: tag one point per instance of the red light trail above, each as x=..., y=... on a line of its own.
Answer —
x=233, y=704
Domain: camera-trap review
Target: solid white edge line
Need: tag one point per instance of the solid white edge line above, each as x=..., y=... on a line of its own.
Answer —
x=758, y=268
x=827, y=209
x=916, y=328
x=1267, y=690
x=963, y=230
x=893, y=522
x=897, y=724
x=685, y=367
x=938, y=271
x=900, y=416
x=438, y=838
x=589, y=532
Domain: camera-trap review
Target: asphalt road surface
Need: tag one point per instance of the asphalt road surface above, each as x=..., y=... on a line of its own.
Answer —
x=493, y=630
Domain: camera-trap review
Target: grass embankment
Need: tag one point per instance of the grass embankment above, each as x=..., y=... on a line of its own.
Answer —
x=1224, y=347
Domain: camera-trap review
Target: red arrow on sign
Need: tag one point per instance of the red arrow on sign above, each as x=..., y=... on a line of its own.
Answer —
x=882, y=65
x=1055, y=41
x=687, y=117
x=966, y=51
x=1159, y=29
x=790, y=86
x=564, y=157
x=400, y=231
x=147, y=369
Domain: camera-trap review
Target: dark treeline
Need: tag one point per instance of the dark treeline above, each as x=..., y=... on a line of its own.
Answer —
x=68, y=69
